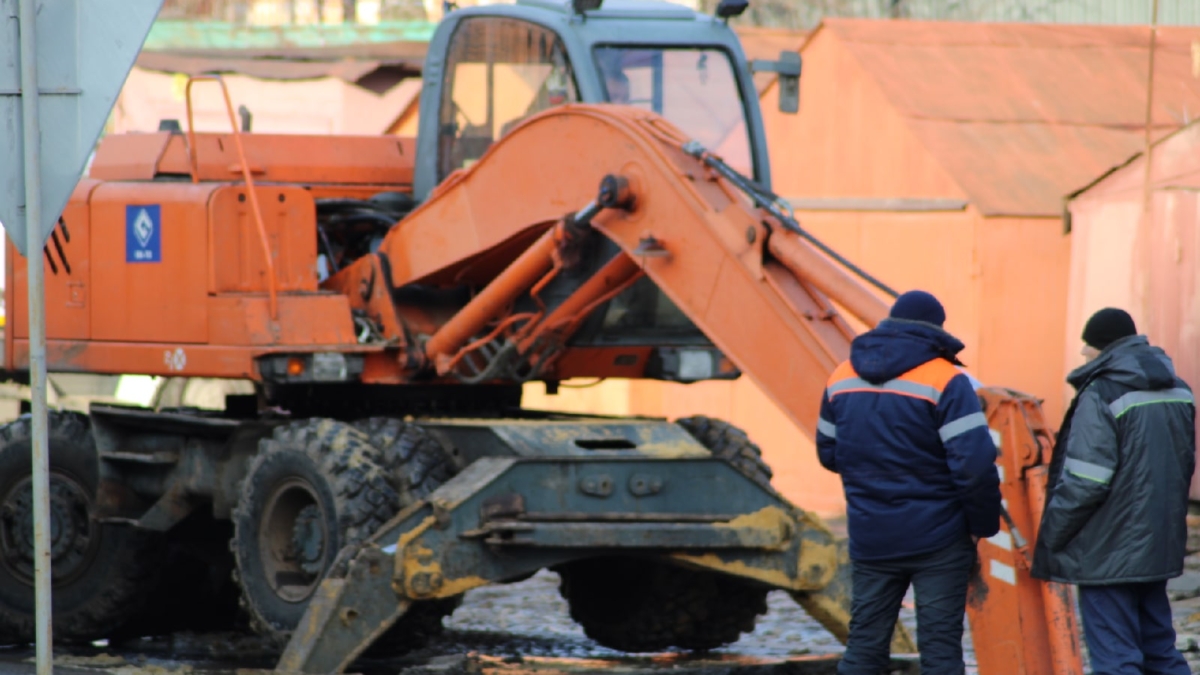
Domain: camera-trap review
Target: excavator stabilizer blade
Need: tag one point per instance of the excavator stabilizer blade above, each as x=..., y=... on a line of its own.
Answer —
x=345, y=616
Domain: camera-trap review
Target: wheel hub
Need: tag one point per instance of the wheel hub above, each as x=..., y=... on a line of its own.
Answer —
x=293, y=539
x=308, y=539
x=74, y=536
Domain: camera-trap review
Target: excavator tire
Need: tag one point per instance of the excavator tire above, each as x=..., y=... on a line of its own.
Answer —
x=730, y=444
x=314, y=487
x=103, y=573
x=637, y=605
x=417, y=464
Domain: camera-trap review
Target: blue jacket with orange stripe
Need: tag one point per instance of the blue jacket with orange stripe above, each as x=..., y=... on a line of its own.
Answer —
x=904, y=428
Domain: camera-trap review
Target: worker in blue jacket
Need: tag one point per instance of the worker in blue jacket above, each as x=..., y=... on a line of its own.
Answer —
x=902, y=425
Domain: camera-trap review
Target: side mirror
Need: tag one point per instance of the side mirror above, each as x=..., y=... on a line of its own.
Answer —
x=727, y=9
x=788, y=67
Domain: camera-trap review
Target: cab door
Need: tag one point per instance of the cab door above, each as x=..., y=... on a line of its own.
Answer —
x=498, y=72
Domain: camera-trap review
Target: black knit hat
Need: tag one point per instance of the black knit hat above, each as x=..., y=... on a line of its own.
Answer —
x=919, y=306
x=1107, y=326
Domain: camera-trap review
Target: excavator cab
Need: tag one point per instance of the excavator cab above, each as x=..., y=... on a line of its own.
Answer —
x=490, y=68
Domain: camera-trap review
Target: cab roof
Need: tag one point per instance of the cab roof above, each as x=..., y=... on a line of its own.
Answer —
x=621, y=9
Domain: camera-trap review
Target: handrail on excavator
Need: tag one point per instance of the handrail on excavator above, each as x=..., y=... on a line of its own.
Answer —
x=246, y=175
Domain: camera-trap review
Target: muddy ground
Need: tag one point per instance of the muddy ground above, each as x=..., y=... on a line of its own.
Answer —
x=521, y=627
x=525, y=628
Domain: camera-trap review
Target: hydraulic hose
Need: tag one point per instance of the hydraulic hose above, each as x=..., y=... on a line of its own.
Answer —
x=769, y=201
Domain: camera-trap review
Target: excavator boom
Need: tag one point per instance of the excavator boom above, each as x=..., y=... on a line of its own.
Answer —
x=737, y=272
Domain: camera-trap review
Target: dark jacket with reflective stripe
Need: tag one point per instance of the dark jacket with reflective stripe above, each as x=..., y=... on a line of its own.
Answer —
x=903, y=427
x=1118, y=493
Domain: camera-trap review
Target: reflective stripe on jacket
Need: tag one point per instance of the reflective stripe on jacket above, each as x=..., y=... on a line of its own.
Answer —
x=1117, y=498
x=916, y=459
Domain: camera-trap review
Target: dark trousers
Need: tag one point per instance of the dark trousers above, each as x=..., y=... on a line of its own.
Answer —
x=1128, y=630
x=939, y=582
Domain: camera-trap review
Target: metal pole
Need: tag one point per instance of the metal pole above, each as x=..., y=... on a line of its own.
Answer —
x=1142, y=245
x=1149, y=140
x=37, y=339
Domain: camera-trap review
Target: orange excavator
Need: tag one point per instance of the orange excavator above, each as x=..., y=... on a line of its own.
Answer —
x=389, y=297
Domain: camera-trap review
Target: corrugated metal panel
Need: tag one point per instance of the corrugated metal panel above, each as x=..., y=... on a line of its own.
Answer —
x=1023, y=114
x=1093, y=75
x=1024, y=169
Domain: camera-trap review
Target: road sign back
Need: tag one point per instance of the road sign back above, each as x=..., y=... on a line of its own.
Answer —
x=85, y=49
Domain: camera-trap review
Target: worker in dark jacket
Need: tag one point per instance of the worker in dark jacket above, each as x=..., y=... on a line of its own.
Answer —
x=903, y=426
x=1114, y=522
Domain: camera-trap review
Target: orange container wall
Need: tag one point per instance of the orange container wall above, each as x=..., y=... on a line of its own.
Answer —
x=847, y=140
x=1003, y=282
x=931, y=251
x=1144, y=262
x=1023, y=279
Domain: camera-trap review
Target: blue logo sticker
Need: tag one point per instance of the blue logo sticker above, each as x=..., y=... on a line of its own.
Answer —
x=143, y=233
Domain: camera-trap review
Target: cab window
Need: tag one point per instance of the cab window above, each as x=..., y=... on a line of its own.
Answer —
x=694, y=88
x=499, y=71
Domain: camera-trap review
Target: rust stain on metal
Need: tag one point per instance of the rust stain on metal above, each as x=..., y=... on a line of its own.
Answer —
x=815, y=567
x=770, y=519
x=402, y=546
x=674, y=450
x=739, y=568
x=418, y=573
